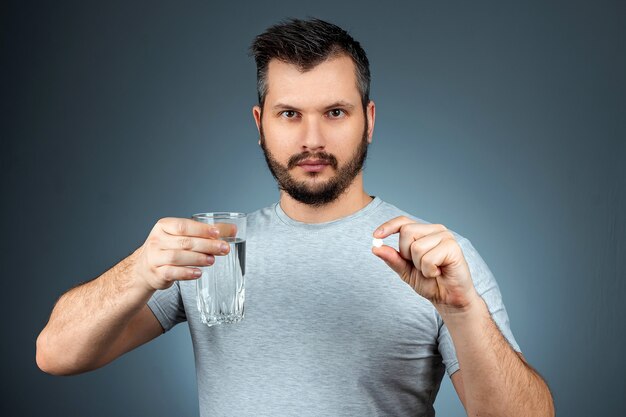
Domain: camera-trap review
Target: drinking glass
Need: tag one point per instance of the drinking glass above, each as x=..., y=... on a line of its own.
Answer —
x=221, y=288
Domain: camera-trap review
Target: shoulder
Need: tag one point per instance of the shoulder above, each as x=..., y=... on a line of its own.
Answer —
x=261, y=216
x=262, y=221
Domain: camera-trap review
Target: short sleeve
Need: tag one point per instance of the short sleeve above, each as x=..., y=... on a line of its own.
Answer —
x=167, y=306
x=487, y=287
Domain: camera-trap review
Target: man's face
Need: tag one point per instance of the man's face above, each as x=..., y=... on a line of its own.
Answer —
x=314, y=116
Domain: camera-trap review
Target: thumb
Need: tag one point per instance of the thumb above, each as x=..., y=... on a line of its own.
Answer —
x=392, y=258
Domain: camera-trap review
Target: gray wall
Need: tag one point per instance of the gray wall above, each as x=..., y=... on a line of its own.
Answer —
x=502, y=120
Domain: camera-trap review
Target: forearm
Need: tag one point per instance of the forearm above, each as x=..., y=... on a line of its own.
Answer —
x=496, y=380
x=87, y=319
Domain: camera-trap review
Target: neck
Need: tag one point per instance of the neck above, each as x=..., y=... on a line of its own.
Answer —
x=351, y=201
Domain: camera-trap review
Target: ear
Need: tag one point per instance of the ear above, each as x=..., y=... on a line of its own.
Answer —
x=371, y=118
x=256, y=113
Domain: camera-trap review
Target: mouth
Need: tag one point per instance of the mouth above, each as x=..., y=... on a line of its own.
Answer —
x=313, y=162
x=313, y=165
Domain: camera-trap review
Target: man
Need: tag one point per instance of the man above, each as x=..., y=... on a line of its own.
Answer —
x=329, y=328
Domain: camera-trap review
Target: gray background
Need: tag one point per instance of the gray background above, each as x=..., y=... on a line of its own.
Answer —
x=502, y=120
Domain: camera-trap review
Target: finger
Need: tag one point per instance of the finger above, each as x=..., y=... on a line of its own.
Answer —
x=226, y=229
x=182, y=258
x=415, y=249
x=396, y=224
x=394, y=260
x=196, y=244
x=176, y=273
x=435, y=260
x=221, y=229
x=188, y=227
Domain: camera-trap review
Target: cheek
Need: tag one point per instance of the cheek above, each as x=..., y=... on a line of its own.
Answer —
x=278, y=135
x=345, y=136
x=278, y=144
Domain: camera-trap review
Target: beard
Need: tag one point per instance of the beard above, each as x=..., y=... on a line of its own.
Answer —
x=316, y=193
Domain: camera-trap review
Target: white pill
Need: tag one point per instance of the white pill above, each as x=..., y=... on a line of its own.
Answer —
x=377, y=242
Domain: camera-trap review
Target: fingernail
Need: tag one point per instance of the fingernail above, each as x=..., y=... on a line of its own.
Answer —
x=380, y=231
x=197, y=272
x=223, y=247
x=210, y=259
x=215, y=232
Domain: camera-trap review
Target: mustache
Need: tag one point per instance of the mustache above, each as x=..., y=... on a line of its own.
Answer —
x=325, y=157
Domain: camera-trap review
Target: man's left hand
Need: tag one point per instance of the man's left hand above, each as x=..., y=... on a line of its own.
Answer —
x=431, y=261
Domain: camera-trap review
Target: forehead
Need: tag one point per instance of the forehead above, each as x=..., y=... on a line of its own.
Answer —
x=332, y=80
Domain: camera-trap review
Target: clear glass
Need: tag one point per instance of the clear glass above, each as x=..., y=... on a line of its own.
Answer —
x=221, y=288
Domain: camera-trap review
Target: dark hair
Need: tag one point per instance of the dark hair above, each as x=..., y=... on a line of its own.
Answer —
x=307, y=43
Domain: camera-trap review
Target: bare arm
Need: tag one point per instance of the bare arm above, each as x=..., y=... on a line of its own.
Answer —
x=98, y=321
x=495, y=380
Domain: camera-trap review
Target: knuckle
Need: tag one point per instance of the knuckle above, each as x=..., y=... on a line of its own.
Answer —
x=174, y=272
x=180, y=228
x=149, y=262
x=167, y=273
x=164, y=220
x=185, y=243
x=214, y=247
x=442, y=227
x=161, y=272
x=416, y=247
x=170, y=256
x=152, y=241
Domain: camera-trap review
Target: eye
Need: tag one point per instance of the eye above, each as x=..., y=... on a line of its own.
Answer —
x=336, y=113
x=289, y=114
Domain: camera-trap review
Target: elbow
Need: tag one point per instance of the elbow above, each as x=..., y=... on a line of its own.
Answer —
x=45, y=367
x=42, y=357
x=49, y=362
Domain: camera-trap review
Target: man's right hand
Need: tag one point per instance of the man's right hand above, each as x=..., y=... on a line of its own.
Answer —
x=175, y=246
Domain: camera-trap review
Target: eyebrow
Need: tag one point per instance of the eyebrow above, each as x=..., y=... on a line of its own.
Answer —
x=339, y=103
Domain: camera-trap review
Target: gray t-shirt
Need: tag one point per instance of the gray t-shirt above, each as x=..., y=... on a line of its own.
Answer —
x=329, y=328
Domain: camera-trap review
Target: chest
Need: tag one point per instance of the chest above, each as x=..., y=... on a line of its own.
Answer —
x=335, y=303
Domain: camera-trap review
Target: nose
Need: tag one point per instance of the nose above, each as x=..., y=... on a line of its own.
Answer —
x=312, y=135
